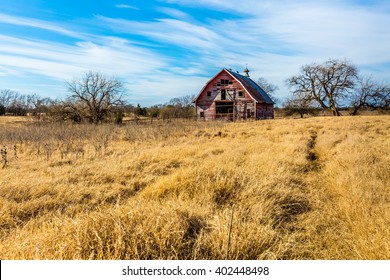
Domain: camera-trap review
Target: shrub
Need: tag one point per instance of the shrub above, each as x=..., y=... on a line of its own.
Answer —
x=2, y=110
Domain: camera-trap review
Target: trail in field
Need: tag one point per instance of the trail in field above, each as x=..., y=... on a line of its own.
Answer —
x=315, y=188
x=349, y=191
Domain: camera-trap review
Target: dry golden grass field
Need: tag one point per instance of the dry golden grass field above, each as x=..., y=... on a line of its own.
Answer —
x=315, y=188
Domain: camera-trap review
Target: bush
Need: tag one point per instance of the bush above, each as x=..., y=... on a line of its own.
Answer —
x=2, y=110
x=118, y=118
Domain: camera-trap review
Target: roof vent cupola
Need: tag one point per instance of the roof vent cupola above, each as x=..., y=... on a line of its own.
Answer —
x=246, y=71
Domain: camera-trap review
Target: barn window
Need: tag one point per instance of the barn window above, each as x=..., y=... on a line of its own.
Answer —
x=209, y=93
x=201, y=114
x=240, y=93
x=223, y=94
x=224, y=82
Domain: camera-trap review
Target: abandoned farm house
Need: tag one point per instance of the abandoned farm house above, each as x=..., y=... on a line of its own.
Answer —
x=232, y=96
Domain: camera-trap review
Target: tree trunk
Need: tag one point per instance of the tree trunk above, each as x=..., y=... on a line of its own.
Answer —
x=356, y=109
x=334, y=109
x=335, y=112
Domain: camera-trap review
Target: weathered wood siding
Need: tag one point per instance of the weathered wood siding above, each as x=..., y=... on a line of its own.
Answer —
x=212, y=93
x=264, y=111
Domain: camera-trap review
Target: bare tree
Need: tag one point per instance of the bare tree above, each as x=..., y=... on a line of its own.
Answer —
x=7, y=97
x=369, y=94
x=21, y=104
x=94, y=97
x=299, y=105
x=268, y=88
x=37, y=105
x=328, y=83
x=179, y=107
x=14, y=102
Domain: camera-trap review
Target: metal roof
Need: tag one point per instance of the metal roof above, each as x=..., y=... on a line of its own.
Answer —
x=253, y=88
x=250, y=86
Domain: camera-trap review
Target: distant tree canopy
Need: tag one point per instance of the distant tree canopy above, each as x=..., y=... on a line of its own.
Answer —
x=93, y=97
x=269, y=88
x=297, y=105
x=141, y=111
x=334, y=84
x=14, y=103
x=178, y=107
x=154, y=111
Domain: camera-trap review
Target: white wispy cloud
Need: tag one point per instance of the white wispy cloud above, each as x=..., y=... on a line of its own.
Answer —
x=172, y=31
x=62, y=61
x=243, y=6
x=178, y=48
x=124, y=6
x=322, y=31
x=304, y=26
x=277, y=37
x=163, y=86
x=37, y=23
x=147, y=75
x=175, y=13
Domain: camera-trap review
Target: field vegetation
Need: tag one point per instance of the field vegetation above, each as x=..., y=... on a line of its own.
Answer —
x=311, y=188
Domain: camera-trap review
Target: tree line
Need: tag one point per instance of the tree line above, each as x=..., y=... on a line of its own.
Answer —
x=14, y=103
x=93, y=98
x=96, y=98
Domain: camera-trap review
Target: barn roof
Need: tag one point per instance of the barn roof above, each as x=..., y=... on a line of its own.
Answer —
x=250, y=86
x=253, y=88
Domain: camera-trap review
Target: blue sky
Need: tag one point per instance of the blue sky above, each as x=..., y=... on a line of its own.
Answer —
x=168, y=48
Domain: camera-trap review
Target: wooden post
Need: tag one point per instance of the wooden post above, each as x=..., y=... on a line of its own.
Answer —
x=230, y=230
x=234, y=106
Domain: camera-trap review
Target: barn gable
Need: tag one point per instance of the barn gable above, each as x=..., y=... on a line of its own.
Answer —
x=233, y=96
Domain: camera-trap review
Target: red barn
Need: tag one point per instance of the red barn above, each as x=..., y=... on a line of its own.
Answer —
x=230, y=95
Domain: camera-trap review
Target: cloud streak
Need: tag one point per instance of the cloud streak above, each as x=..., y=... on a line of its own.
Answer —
x=124, y=6
x=61, y=61
x=178, y=48
x=36, y=23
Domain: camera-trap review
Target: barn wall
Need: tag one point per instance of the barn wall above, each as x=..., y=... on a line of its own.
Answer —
x=264, y=111
x=206, y=103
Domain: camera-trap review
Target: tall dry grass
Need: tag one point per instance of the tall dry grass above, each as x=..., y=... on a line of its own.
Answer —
x=314, y=188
